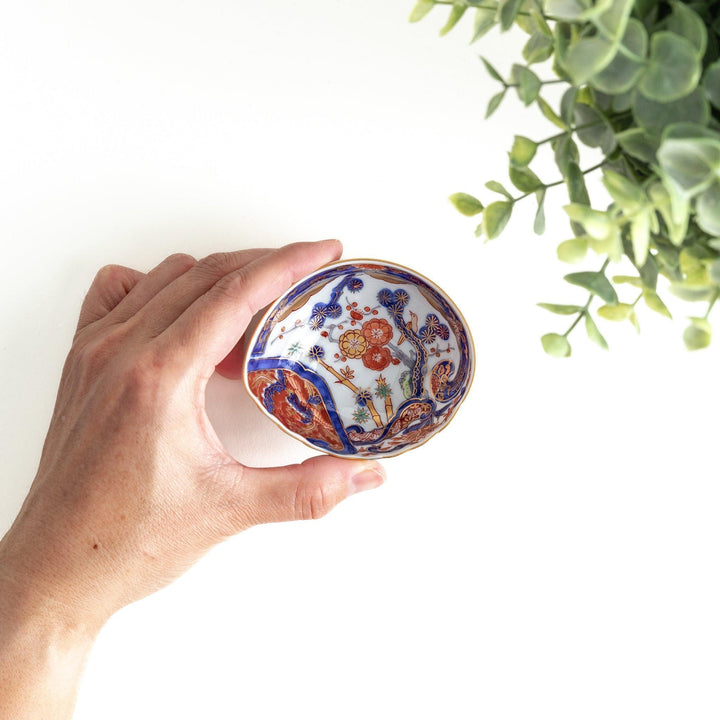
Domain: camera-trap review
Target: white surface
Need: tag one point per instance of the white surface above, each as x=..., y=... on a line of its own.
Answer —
x=552, y=554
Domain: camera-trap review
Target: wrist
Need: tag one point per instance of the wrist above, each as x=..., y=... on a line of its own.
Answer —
x=44, y=645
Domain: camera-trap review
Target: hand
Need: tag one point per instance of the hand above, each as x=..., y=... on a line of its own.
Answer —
x=133, y=484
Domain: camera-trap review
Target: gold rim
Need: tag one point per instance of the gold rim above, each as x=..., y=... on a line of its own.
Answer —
x=353, y=261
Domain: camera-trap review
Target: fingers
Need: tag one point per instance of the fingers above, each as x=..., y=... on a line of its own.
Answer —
x=297, y=492
x=169, y=270
x=177, y=296
x=212, y=325
x=111, y=285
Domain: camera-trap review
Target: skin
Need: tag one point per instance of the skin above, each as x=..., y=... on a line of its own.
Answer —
x=133, y=485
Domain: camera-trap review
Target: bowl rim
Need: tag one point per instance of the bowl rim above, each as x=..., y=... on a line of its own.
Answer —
x=251, y=340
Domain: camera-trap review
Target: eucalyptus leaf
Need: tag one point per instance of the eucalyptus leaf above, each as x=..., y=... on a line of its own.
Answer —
x=567, y=105
x=674, y=68
x=653, y=301
x=593, y=332
x=466, y=204
x=698, y=334
x=527, y=83
x=593, y=128
x=655, y=116
x=596, y=283
x=573, y=250
x=707, y=208
x=494, y=103
x=421, y=9
x=692, y=164
x=639, y=143
x=561, y=309
x=616, y=313
x=485, y=20
x=684, y=21
x=497, y=187
x=550, y=114
x=491, y=71
x=508, y=12
x=538, y=48
x=625, y=69
x=524, y=179
x=456, y=13
x=523, y=151
x=575, y=182
x=556, y=345
x=539, y=223
x=711, y=83
x=495, y=218
x=587, y=57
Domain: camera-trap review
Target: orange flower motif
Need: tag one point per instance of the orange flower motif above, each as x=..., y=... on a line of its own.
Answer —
x=353, y=344
x=377, y=357
x=377, y=331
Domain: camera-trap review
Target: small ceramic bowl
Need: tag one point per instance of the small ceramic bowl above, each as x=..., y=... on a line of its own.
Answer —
x=362, y=358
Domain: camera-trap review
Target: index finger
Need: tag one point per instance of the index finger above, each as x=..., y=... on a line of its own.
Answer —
x=212, y=325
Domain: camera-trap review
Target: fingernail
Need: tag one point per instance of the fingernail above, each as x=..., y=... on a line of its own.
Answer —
x=366, y=479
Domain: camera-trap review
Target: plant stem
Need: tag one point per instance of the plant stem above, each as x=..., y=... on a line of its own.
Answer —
x=586, y=307
x=557, y=182
x=713, y=300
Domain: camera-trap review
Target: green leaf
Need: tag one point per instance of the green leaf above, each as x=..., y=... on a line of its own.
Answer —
x=616, y=313
x=466, y=204
x=497, y=187
x=523, y=151
x=596, y=283
x=656, y=116
x=421, y=9
x=565, y=151
x=594, y=130
x=597, y=223
x=567, y=105
x=539, y=222
x=713, y=270
x=575, y=181
x=556, y=345
x=528, y=83
x=485, y=20
x=653, y=301
x=627, y=279
x=495, y=218
x=637, y=142
x=711, y=83
x=623, y=71
x=593, y=332
x=508, y=12
x=640, y=236
x=561, y=309
x=524, y=179
x=492, y=72
x=698, y=334
x=691, y=164
x=573, y=250
x=565, y=9
x=550, y=114
x=587, y=57
x=707, y=209
x=625, y=193
x=456, y=13
x=692, y=294
x=538, y=48
x=494, y=103
x=687, y=23
x=673, y=70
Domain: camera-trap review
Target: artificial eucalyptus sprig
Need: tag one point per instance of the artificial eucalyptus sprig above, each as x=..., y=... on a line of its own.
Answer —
x=642, y=89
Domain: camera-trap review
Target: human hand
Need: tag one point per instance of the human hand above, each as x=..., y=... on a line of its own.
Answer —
x=133, y=484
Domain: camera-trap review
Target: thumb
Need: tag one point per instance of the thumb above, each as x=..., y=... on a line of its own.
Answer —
x=301, y=492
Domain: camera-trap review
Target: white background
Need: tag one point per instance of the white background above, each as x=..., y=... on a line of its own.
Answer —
x=553, y=554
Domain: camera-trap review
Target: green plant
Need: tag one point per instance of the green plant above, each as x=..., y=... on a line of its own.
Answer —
x=642, y=90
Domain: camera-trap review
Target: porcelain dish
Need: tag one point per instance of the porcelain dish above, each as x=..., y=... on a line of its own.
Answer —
x=362, y=358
